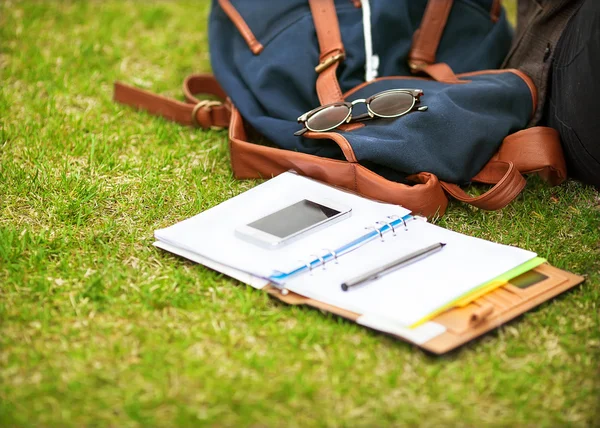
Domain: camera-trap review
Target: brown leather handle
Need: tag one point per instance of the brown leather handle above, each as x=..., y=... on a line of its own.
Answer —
x=508, y=184
x=427, y=37
x=535, y=150
x=532, y=150
x=205, y=114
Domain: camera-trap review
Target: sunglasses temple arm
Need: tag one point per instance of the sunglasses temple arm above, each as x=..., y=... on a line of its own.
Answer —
x=300, y=132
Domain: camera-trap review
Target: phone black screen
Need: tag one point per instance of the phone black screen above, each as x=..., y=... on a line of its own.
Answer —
x=294, y=218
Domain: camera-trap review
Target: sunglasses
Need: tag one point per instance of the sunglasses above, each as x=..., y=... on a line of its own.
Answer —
x=386, y=104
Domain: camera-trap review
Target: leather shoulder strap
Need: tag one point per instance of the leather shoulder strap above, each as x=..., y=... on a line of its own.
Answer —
x=331, y=50
x=427, y=37
x=205, y=114
x=255, y=46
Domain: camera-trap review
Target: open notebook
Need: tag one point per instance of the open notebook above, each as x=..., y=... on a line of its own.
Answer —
x=314, y=267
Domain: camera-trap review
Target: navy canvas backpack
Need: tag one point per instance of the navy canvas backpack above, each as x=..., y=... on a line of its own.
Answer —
x=275, y=60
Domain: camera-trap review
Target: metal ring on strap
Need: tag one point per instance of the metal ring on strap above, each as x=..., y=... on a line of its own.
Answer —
x=208, y=105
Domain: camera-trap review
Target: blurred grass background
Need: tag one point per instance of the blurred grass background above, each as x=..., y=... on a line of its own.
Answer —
x=98, y=328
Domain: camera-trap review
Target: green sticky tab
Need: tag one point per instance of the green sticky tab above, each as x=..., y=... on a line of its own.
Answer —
x=485, y=288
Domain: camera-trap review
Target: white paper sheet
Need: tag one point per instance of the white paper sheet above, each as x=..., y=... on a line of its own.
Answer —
x=241, y=276
x=402, y=297
x=212, y=232
x=412, y=292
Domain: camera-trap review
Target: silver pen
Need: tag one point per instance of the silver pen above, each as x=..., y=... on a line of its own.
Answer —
x=392, y=266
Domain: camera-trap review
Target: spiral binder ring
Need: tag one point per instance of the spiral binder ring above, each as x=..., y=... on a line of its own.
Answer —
x=321, y=259
x=333, y=253
x=376, y=230
x=388, y=225
x=307, y=264
x=396, y=217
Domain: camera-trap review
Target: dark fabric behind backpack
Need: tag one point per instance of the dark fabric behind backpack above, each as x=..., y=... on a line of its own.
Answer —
x=276, y=60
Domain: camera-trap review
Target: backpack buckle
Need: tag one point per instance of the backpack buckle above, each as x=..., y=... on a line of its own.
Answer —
x=206, y=104
x=416, y=66
x=326, y=63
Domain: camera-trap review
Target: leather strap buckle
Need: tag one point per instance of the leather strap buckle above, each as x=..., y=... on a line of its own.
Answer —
x=206, y=104
x=417, y=66
x=326, y=63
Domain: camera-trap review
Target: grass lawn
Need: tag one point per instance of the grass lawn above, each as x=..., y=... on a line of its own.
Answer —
x=99, y=328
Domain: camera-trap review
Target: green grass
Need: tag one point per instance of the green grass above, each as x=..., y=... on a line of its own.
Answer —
x=98, y=328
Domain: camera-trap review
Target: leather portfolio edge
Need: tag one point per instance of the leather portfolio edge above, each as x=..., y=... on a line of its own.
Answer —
x=458, y=326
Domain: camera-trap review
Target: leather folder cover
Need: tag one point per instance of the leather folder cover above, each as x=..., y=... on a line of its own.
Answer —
x=460, y=325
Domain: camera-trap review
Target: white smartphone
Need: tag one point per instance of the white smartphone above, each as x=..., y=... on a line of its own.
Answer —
x=292, y=222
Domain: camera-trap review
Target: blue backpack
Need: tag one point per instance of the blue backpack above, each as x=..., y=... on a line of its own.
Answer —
x=277, y=63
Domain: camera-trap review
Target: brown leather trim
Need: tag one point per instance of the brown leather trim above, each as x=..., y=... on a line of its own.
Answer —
x=250, y=160
x=351, y=126
x=328, y=87
x=158, y=105
x=457, y=320
x=427, y=37
x=202, y=84
x=465, y=323
x=496, y=10
x=241, y=25
x=509, y=184
x=364, y=84
x=330, y=44
x=339, y=139
x=442, y=72
x=356, y=3
x=536, y=150
x=523, y=76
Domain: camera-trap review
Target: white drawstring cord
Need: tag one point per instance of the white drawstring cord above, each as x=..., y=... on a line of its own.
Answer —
x=371, y=60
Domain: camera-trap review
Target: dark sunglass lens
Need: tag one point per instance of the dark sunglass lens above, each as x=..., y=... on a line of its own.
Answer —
x=392, y=104
x=328, y=118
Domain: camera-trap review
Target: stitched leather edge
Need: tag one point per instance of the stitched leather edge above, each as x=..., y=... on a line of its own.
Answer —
x=496, y=10
x=523, y=76
x=255, y=46
x=528, y=81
